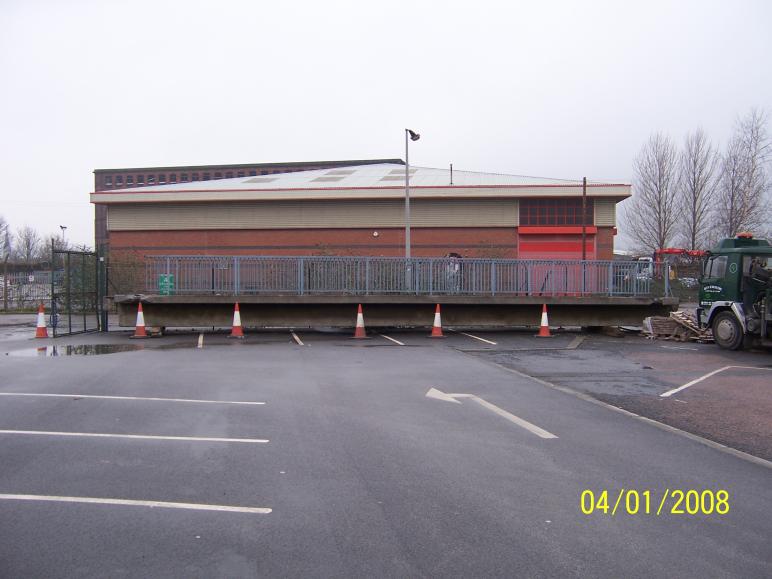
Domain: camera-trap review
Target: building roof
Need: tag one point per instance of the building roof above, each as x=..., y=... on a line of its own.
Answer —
x=293, y=165
x=382, y=180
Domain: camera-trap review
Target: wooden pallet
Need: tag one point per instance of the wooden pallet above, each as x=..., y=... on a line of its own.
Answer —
x=679, y=327
x=697, y=334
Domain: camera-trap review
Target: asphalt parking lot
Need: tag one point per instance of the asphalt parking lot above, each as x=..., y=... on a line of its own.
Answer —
x=398, y=455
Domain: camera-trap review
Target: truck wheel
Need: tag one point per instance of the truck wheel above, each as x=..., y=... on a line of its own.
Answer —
x=727, y=331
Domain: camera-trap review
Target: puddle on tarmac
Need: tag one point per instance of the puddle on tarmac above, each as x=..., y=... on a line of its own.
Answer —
x=77, y=350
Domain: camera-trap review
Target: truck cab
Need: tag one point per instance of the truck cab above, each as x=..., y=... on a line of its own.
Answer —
x=736, y=292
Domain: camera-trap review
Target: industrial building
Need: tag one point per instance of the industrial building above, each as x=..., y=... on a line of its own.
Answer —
x=355, y=208
x=130, y=178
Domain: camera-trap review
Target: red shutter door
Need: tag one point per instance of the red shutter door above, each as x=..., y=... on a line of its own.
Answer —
x=554, y=246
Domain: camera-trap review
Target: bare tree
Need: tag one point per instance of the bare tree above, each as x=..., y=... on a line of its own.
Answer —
x=699, y=169
x=652, y=213
x=5, y=239
x=56, y=241
x=745, y=181
x=28, y=245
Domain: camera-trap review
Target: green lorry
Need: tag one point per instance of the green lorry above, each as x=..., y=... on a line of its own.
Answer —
x=736, y=293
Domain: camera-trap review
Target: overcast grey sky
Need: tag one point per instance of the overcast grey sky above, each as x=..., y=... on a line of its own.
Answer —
x=556, y=89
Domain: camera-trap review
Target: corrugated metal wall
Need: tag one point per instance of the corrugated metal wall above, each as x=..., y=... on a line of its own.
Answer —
x=605, y=212
x=313, y=214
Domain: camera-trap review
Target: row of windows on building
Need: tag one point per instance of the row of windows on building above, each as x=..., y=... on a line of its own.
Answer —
x=161, y=178
x=555, y=211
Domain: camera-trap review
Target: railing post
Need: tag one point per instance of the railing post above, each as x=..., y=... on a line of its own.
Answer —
x=528, y=276
x=367, y=275
x=493, y=278
x=431, y=275
x=236, y=276
x=667, y=280
x=301, y=275
x=610, y=266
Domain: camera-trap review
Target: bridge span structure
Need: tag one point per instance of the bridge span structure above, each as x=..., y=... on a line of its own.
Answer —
x=322, y=291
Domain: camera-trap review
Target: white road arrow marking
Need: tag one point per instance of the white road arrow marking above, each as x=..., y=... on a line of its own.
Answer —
x=440, y=395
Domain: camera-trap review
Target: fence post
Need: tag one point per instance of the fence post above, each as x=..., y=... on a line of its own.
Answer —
x=68, y=277
x=5, y=283
x=83, y=289
x=493, y=278
x=667, y=280
x=301, y=274
x=167, y=283
x=104, y=288
x=528, y=277
x=236, y=275
x=610, y=266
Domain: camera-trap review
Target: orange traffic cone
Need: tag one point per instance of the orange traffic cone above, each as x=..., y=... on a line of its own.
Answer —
x=359, y=331
x=41, y=331
x=437, y=327
x=237, y=331
x=544, y=328
x=139, y=331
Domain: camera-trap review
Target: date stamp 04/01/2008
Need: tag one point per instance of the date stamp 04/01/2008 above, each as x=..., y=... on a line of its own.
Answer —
x=671, y=502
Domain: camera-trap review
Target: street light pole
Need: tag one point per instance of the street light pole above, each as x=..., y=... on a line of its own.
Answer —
x=413, y=137
x=407, y=197
x=63, y=228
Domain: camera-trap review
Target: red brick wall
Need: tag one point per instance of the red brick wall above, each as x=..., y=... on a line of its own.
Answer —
x=499, y=242
x=604, y=243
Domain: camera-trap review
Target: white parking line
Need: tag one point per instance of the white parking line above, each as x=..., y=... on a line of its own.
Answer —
x=131, y=503
x=201, y=340
x=705, y=377
x=391, y=339
x=680, y=348
x=298, y=340
x=133, y=398
x=136, y=436
x=475, y=337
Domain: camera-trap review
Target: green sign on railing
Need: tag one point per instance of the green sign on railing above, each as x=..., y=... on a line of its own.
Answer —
x=166, y=284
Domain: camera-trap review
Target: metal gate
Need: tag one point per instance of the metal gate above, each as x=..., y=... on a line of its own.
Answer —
x=75, y=303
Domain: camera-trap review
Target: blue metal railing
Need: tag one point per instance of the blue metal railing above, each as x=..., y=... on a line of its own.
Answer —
x=314, y=275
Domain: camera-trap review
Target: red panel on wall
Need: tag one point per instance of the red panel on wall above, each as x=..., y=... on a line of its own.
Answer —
x=523, y=230
x=555, y=246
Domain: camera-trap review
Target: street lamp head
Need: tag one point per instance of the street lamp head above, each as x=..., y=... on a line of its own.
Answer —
x=413, y=135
